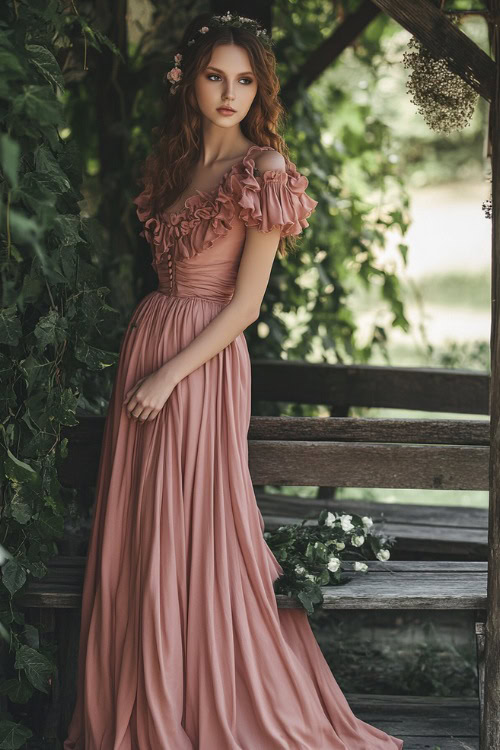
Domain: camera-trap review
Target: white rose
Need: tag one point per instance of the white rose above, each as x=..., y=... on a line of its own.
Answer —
x=311, y=577
x=361, y=566
x=383, y=554
x=300, y=569
x=345, y=522
x=367, y=522
x=330, y=519
x=340, y=545
x=333, y=564
x=357, y=541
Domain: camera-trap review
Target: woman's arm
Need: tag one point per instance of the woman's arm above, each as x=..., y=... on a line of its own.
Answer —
x=148, y=396
x=251, y=283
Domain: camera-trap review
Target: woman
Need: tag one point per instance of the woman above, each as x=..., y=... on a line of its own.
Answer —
x=182, y=646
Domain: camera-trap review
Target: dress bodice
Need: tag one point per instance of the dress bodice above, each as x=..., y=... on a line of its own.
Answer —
x=216, y=221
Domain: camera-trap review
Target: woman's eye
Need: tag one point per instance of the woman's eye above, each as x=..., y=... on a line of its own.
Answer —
x=214, y=75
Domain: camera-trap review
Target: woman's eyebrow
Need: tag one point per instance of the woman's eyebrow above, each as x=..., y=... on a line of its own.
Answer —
x=246, y=72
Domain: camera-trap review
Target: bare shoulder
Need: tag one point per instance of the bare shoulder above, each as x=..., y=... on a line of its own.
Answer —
x=272, y=159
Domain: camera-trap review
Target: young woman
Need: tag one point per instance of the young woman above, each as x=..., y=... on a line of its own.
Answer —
x=182, y=646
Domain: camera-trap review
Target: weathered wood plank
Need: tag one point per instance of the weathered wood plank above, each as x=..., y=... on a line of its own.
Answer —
x=423, y=388
x=431, y=26
x=335, y=464
x=437, y=531
x=490, y=723
x=386, y=585
x=331, y=463
x=373, y=430
x=453, y=516
x=423, y=723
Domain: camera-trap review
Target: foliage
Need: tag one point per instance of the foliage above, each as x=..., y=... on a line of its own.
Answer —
x=312, y=556
x=54, y=312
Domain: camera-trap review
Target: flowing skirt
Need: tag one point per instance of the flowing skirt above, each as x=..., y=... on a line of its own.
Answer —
x=182, y=645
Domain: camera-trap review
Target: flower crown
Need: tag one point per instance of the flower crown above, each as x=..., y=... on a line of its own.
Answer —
x=174, y=75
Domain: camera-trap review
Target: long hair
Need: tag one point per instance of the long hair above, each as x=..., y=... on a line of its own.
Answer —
x=176, y=148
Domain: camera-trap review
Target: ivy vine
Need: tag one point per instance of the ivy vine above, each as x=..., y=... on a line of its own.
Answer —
x=53, y=313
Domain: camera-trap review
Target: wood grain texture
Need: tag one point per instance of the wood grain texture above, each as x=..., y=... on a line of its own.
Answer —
x=421, y=531
x=424, y=388
x=386, y=585
x=423, y=723
x=490, y=724
x=335, y=464
x=431, y=27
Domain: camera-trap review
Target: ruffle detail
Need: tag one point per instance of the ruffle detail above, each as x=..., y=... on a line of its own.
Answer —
x=154, y=230
x=273, y=198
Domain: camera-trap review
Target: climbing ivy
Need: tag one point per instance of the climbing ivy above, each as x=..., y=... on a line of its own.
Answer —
x=53, y=313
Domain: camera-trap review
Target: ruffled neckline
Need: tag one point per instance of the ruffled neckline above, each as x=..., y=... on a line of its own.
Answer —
x=208, y=215
x=199, y=196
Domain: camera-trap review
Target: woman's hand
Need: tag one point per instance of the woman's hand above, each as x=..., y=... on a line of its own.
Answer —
x=144, y=401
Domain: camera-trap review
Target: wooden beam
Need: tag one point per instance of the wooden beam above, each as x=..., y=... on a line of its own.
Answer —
x=442, y=38
x=328, y=51
x=490, y=723
x=344, y=386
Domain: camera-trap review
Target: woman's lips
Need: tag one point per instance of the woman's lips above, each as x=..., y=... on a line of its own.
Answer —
x=225, y=111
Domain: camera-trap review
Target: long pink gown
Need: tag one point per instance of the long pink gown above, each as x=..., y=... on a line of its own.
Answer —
x=182, y=645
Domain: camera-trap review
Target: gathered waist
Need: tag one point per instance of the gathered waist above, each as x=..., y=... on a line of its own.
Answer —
x=222, y=300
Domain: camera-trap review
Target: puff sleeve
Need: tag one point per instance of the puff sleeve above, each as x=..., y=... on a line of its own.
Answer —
x=275, y=198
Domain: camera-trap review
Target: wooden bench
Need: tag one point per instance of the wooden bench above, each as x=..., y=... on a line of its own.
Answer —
x=421, y=722
x=423, y=531
x=344, y=451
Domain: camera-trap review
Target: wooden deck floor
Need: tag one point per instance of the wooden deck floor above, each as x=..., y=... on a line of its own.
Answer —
x=423, y=723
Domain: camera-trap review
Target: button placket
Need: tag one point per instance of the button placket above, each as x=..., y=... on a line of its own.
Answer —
x=170, y=265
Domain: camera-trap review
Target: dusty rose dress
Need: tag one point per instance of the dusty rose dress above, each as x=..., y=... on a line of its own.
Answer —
x=182, y=646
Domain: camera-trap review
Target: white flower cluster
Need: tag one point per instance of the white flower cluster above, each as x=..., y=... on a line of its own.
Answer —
x=357, y=540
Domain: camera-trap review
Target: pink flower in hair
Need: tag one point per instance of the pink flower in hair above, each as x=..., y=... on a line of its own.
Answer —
x=174, y=75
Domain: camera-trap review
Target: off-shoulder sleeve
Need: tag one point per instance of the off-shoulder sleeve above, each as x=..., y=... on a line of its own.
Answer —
x=275, y=198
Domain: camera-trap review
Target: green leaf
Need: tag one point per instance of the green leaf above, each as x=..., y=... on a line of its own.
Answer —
x=51, y=330
x=66, y=228
x=48, y=524
x=46, y=164
x=38, y=195
x=36, y=666
x=9, y=156
x=94, y=358
x=10, y=326
x=13, y=575
x=17, y=470
x=46, y=64
x=12, y=735
x=306, y=601
x=17, y=689
x=40, y=104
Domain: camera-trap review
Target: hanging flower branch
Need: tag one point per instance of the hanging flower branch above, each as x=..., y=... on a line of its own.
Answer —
x=443, y=98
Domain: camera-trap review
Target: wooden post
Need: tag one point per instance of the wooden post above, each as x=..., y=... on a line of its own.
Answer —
x=490, y=724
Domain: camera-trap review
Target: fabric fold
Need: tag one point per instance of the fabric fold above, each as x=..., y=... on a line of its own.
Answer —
x=272, y=199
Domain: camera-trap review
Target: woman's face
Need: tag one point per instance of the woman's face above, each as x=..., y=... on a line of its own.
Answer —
x=227, y=80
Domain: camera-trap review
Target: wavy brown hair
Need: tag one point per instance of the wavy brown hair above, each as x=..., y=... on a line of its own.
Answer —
x=165, y=174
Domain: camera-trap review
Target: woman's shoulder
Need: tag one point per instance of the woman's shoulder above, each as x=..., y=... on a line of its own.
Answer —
x=270, y=159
